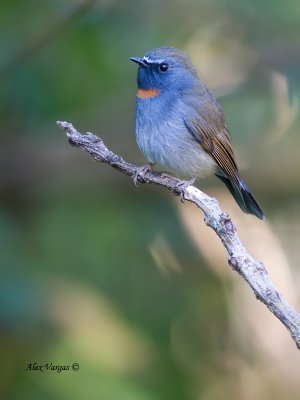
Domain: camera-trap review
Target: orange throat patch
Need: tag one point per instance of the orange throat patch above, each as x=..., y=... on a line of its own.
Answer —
x=147, y=93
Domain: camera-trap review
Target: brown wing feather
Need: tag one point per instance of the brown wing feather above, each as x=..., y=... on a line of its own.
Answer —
x=206, y=123
x=214, y=137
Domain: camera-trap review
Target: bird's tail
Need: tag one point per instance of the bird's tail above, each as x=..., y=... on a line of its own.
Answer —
x=243, y=196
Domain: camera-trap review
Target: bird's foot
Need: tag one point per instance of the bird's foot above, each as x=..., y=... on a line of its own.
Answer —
x=141, y=172
x=181, y=187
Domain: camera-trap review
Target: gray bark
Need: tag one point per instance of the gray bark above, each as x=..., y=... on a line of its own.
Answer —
x=251, y=270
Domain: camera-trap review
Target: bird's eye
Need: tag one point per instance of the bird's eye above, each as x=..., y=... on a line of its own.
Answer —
x=163, y=67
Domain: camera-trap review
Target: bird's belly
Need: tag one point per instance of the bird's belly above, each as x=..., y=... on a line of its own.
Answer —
x=168, y=144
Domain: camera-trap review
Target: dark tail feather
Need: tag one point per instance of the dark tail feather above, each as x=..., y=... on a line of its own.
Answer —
x=243, y=197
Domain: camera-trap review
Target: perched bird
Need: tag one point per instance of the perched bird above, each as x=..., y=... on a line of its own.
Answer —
x=180, y=126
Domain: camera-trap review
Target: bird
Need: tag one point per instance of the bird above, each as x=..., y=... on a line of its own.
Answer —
x=180, y=127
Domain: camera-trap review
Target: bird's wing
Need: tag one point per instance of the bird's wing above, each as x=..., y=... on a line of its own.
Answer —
x=209, y=129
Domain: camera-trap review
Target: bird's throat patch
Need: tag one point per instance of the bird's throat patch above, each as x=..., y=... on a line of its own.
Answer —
x=147, y=93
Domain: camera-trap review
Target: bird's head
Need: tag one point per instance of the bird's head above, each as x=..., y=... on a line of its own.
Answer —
x=165, y=68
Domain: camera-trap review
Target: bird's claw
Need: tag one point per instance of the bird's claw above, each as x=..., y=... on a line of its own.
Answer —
x=181, y=187
x=140, y=173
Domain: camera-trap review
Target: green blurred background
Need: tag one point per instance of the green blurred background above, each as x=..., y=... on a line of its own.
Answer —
x=129, y=283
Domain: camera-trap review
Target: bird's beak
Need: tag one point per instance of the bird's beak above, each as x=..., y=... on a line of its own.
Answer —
x=139, y=61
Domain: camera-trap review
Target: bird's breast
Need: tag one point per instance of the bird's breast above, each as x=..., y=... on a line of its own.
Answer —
x=165, y=140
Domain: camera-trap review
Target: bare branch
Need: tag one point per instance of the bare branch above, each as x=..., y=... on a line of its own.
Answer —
x=251, y=270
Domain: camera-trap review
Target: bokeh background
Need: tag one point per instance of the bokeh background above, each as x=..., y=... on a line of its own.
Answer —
x=130, y=283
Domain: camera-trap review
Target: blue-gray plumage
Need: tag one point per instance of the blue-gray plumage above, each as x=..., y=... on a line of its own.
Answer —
x=180, y=126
